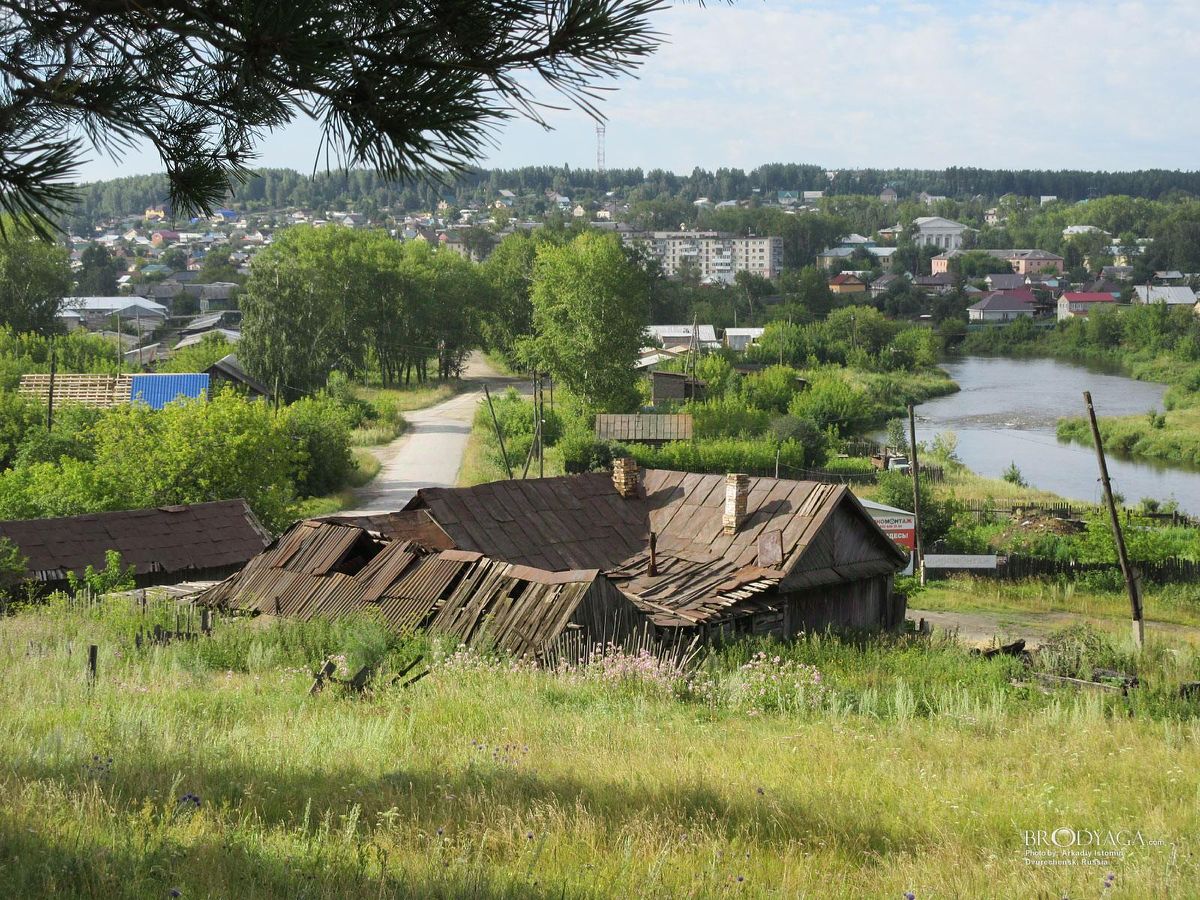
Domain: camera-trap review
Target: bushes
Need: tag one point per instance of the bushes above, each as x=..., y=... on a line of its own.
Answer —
x=720, y=455
x=319, y=434
x=728, y=416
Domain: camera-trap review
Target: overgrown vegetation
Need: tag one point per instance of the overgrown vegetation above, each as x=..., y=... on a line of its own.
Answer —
x=204, y=768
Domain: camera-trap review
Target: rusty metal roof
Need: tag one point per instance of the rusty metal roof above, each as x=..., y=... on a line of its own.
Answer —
x=702, y=573
x=162, y=539
x=461, y=593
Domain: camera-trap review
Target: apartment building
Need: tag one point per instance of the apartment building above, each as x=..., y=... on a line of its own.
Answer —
x=717, y=256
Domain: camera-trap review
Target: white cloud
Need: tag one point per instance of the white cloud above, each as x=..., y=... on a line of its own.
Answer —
x=1016, y=84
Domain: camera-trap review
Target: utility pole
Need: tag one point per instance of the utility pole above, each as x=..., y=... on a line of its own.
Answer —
x=50, y=397
x=499, y=436
x=1131, y=577
x=918, y=553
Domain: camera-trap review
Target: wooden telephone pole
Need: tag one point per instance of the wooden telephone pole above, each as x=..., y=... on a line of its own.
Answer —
x=918, y=552
x=1131, y=578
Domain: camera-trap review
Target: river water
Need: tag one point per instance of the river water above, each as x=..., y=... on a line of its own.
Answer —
x=1006, y=412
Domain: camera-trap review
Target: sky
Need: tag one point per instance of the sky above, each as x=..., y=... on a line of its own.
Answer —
x=1054, y=84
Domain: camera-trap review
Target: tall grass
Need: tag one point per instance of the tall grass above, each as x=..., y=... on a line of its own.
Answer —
x=205, y=767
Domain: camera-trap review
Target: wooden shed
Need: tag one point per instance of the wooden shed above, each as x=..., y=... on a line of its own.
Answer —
x=676, y=386
x=644, y=429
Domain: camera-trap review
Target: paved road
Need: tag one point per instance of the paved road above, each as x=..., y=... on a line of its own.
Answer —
x=430, y=452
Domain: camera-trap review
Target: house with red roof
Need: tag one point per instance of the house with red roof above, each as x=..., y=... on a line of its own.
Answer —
x=1078, y=304
x=847, y=283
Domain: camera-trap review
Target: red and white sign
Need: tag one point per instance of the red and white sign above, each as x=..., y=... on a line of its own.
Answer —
x=901, y=529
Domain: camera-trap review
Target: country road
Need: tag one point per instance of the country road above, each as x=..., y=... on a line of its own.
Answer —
x=430, y=452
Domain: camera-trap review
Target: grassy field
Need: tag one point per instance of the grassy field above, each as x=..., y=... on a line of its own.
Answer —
x=204, y=768
x=1176, y=604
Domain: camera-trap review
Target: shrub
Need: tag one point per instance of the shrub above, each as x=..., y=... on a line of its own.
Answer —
x=319, y=432
x=581, y=452
x=728, y=416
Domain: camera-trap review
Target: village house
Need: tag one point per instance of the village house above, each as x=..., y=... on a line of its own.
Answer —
x=99, y=312
x=1171, y=295
x=597, y=557
x=1078, y=304
x=740, y=339
x=163, y=545
x=684, y=335
x=1003, y=306
x=888, y=195
x=847, y=283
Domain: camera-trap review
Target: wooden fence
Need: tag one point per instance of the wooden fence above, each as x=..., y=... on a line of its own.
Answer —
x=1017, y=568
x=1067, y=509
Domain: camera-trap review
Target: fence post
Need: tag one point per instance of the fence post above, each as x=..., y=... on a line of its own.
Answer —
x=93, y=657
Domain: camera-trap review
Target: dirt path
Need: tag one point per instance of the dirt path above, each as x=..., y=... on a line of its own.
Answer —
x=1001, y=627
x=430, y=452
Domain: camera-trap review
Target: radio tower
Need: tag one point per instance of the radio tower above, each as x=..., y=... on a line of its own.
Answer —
x=599, y=146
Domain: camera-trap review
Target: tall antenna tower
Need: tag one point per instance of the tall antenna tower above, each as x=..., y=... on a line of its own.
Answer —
x=599, y=146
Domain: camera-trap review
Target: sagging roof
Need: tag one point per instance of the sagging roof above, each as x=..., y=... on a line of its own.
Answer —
x=167, y=539
x=576, y=522
x=307, y=573
x=641, y=428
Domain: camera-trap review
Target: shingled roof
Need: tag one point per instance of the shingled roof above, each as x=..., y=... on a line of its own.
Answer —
x=823, y=535
x=166, y=540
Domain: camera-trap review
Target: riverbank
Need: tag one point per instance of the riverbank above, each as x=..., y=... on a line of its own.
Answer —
x=1146, y=344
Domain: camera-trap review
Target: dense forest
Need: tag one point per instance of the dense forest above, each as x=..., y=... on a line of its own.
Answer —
x=367, y=192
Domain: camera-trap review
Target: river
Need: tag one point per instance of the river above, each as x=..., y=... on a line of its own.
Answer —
x=1006, y=412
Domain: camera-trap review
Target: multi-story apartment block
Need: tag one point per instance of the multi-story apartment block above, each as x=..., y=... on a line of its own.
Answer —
x=716, y=256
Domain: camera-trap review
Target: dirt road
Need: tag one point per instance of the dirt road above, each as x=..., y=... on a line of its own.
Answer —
x=430, y=452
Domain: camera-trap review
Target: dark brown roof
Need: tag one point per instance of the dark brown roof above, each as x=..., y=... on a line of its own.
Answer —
x=580, y=521
x=166, y=539
x=652, y=428
x=457, y=592
x=414, y=525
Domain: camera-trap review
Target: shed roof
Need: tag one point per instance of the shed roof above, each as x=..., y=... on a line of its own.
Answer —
x=157, y=391
x=636, y=428
x=162, y=539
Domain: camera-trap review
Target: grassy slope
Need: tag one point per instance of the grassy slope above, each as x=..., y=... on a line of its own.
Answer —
x=921, y=784
x=1173, y=604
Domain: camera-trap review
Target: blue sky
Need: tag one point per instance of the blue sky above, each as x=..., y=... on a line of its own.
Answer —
x=1008, y=85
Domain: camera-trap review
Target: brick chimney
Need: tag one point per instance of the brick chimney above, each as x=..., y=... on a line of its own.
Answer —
x=625, y=476
x=737, y=489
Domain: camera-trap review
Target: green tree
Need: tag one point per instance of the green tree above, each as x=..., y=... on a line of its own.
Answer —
x=98, y=275
x=34, y=278
x=218, y=267
x=589, y=316
x=402, y=87
x=300, y=312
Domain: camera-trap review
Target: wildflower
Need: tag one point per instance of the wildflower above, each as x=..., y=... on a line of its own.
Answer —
x=909, y=895
x=441, y=831
x=741, y=878
x=759, y=791
x=174, y=892
x=529, y=835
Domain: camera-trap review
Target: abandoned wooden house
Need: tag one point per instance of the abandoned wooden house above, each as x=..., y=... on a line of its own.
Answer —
x=197, y=541
x=710, y=552
x=517, y=564
x=326, y=569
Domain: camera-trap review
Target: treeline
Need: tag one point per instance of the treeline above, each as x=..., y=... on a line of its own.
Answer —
x=365, y=190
